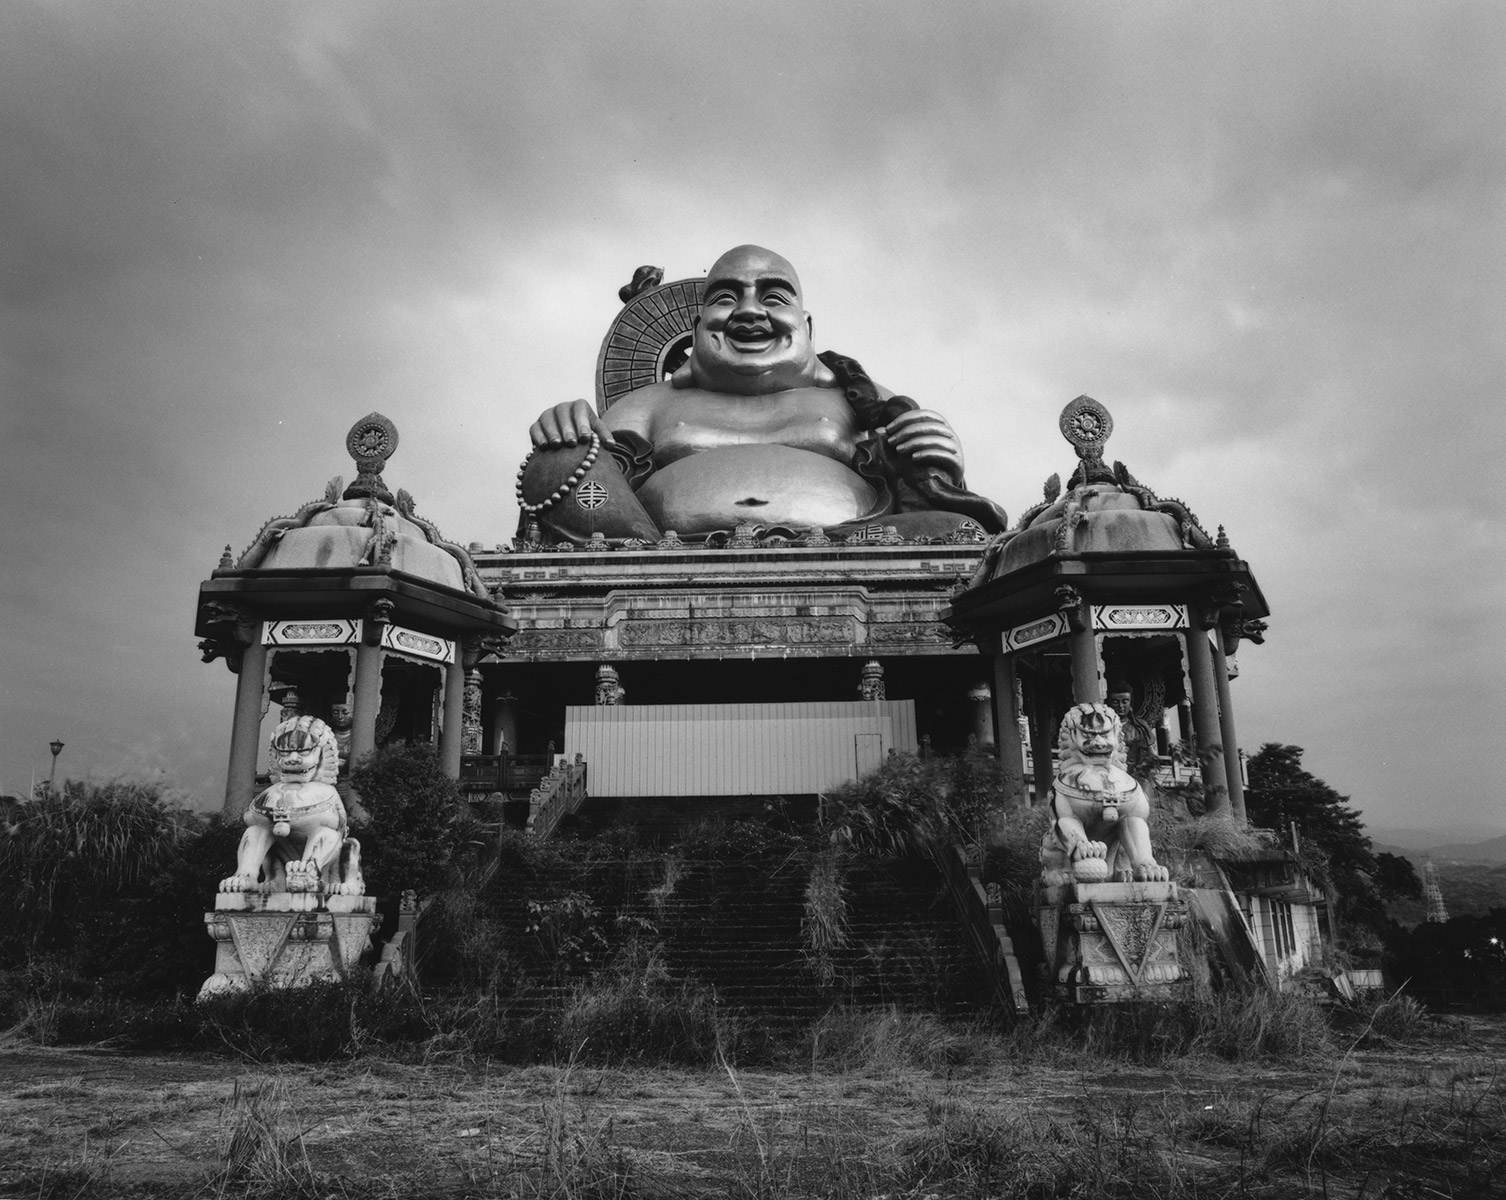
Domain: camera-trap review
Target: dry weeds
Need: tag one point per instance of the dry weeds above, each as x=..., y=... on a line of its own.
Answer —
x=1378, y=1120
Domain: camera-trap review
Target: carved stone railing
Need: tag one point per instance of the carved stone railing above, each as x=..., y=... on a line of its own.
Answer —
x=399, y=959
x=559, y=794
x=982, y=914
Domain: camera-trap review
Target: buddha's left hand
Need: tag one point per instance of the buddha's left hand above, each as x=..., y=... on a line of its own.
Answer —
x=923, y=438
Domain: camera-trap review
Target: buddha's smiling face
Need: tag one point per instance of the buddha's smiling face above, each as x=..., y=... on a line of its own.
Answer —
x=753, y=334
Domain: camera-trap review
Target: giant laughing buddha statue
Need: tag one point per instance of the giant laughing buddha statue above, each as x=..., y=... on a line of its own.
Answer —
x=755, y=428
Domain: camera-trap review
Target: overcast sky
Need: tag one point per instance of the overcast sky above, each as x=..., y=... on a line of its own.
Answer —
x=1268, y=237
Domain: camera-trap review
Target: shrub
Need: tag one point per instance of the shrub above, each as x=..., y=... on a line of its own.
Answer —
x=419, y=821
x=317, y=1023
x=80, y=853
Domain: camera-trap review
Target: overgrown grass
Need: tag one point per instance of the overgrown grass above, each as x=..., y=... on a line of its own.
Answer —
x=261, y=1149
x=824, y=924
x=888, y=1040
x=637, y=1013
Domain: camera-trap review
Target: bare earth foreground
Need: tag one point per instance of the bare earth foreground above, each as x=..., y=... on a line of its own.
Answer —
x=1419, y=1120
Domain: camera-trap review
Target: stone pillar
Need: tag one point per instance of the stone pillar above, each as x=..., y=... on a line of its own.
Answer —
x=871, y=684
x=470, y=741
x=981, y=699
x=245, y=732
x=1042, y=738
x=368, y=701
x=452, y=719
x=1205, y=720
x=1007, y=736
x=1087, y=682
x=1087, y=688
x=1226, y=730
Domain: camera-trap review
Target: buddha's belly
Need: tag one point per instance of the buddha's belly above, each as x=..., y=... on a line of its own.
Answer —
x=767, y=485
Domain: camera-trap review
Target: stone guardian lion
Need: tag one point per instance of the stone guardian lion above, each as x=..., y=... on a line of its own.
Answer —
x=295, y=830
x=1101, y=817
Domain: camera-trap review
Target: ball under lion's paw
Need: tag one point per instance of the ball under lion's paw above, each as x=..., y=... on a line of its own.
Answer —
x=1090, y=870
x=302, y=877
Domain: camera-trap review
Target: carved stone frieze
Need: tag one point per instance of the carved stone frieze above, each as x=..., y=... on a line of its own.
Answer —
x=910, y=631
x=771, y=631
x=528, y=641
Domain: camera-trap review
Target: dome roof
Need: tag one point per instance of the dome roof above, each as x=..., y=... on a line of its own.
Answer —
x=363, y=525
x=1105, y=510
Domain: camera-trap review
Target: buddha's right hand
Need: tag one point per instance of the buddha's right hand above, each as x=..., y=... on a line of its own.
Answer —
x=567, y=425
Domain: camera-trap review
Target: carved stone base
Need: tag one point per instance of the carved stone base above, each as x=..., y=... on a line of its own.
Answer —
x=1110, y=943
x=281, y=948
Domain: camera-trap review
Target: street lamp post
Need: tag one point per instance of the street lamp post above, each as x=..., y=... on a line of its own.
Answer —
x=52, y=780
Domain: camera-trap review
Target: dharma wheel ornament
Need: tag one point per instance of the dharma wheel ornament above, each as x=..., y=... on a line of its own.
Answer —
x=1088, y=426
x=371, y=442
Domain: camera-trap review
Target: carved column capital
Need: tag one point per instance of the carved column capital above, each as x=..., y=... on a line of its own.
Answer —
x=1069, y=604
x=231, y=629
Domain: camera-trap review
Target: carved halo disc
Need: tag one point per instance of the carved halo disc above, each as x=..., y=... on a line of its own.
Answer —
x=651, y=327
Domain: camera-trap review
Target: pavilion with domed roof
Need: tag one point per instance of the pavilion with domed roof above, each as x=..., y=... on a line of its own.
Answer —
x=354, y=610
x=1107, y=592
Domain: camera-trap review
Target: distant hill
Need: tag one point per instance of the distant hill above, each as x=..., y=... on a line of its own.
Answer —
x=1490, y=852
x=1405, y=839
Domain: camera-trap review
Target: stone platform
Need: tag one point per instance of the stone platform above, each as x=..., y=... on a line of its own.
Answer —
x=766, y=621
x=286, y=940
x=1113, y=942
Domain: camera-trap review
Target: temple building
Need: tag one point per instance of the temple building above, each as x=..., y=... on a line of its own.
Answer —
x=749, y=570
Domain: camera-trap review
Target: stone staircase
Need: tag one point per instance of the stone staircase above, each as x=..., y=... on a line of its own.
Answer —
x=735, y=926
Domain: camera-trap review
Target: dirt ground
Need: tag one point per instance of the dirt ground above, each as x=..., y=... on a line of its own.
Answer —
x=1411, y=1121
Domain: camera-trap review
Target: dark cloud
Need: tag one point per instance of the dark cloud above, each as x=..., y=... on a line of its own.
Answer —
x=1267, y=238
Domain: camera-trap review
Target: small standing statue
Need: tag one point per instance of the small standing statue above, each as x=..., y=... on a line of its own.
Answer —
x=1101, y=817
x=295, y=830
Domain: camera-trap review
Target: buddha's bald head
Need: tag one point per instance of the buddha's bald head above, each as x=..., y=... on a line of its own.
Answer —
x=753, y=334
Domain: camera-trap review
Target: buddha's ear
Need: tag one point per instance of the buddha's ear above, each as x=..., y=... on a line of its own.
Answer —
x=823, y=376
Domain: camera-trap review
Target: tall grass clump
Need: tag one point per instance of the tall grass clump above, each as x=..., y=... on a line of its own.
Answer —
x=262, y=1151
x=889, y=1039
x=636, y=1012
x=1251, y=1024
x=909, y=807
x=824, y=921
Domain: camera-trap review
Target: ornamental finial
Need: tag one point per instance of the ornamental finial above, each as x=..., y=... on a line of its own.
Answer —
x=371, y=442
x=1087, y=425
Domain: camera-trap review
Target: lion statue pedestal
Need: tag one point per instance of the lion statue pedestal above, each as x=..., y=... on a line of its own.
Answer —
x=1108, y=912
x=294, y=912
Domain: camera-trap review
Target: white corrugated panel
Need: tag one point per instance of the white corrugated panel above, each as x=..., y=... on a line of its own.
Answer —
x=732, y=749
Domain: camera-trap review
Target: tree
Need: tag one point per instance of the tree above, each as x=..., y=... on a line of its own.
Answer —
x=1396, y=877
x=1281, y=794
x=1333, y=847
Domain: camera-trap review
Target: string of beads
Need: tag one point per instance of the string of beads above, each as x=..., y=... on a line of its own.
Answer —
x=563, y=490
